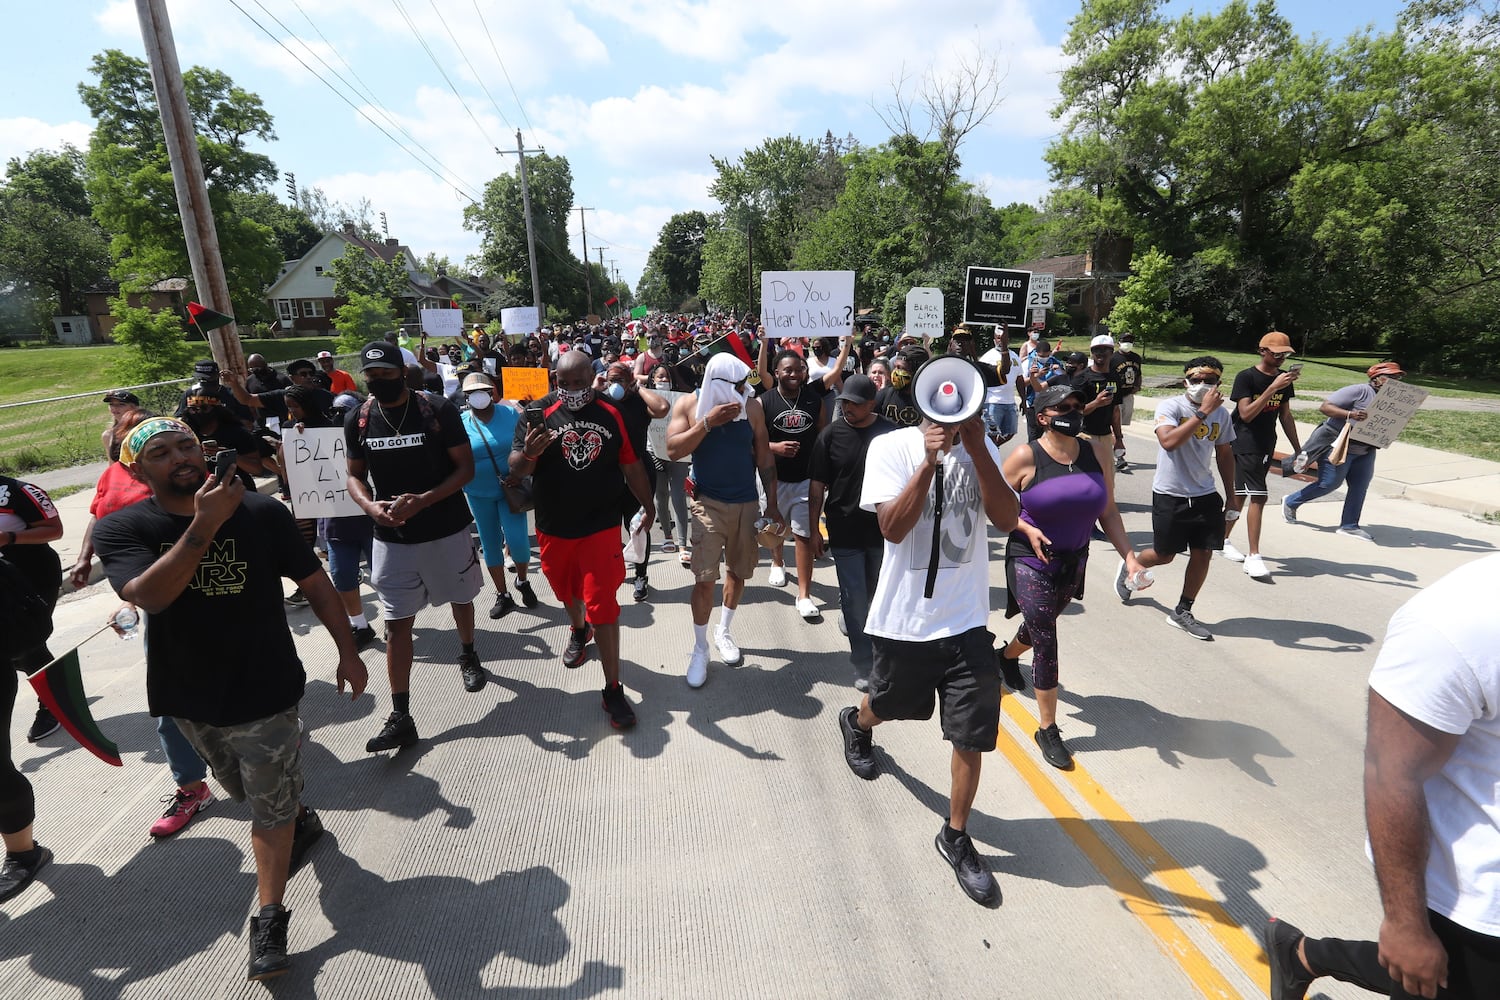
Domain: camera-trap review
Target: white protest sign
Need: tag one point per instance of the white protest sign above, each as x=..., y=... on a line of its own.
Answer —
x=924, y=312
x=1039, y=292
x=519, y=319
x=807, y=303
x=316, y=470
x=656, y=432
x=442, y=323
x=1393, y=407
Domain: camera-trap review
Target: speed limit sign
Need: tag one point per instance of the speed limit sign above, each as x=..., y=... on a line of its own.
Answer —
x=1039, y=294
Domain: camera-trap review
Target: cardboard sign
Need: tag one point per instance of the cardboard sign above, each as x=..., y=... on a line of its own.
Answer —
x=317, y=471
x=807, y=303
x=1389, y=414
x=519, y=319
x=924, y=312
x=442, y=323
x=1039, y=294
x=995, y=296
x=656, y=434
x=523, y=383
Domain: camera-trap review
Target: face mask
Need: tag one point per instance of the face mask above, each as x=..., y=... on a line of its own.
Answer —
x=479, y=399
x=615, y=391
x=385, y=390
x=1068, y=424
x=575, y=399
x=900, y=378
x=1197, y=391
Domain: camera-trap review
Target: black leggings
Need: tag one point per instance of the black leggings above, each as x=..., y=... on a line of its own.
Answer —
x=17, y=804
x=1473, y=962
x=1042, y=597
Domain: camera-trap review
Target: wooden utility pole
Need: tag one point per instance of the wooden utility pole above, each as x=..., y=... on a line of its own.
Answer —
x=588, y=283
x=536, y=281
x=187, y=179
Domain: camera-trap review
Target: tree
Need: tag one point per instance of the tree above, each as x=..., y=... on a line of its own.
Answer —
x=50, y=246
x=762, y=193
x=725, y=279
x=331, y=216
x=678, y=256
x=294, y=232
x=361, y=319
x=129, y=178
x=652, y=289
x=1143, y=310
x=155, y=349
x=359, y=272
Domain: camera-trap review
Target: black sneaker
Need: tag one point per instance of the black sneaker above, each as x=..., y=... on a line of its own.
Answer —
x=399, y=731
x=16, y=874
x=528, y=596
x=859, y=749
x=1010, y=669
x=577, y=653
x=642, y=588
x=1054, y=751
x=1192, y=626
x=364, y=635
x=473, y=674
x=297, y=598
x=1289, y=978
x=268, y=942
x=504, y=605
x=973, y=877
x=621, y=715
x=309, y=828
x=44, y=725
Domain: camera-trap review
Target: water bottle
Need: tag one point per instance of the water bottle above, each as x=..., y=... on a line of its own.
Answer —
x=635, y=522
x=1300, y=462
x=1140, y=581
x=127, y=623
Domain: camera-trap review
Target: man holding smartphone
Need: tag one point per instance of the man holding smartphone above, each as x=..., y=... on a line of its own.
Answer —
x=200, y=552
x=1262, y=397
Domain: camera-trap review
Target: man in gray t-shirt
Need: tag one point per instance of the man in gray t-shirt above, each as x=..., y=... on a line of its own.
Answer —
x=1195, y=433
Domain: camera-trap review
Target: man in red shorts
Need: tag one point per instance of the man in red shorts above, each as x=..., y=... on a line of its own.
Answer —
x=575, y=447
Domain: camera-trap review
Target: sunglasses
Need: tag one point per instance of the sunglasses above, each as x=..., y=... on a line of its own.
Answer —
x=1068, y=408
x=1209, y=380
x=1279, y=355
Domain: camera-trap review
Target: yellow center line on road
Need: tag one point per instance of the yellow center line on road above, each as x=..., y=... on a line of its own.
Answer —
x=1139, y=899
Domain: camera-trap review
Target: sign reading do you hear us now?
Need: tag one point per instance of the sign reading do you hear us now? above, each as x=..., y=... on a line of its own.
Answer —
x=807, y=303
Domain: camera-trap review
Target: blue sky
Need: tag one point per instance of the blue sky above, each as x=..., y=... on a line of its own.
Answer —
x=636, y=93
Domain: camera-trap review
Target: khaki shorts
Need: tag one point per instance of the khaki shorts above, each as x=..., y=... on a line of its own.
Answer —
x=723, y=531
x=259, y=763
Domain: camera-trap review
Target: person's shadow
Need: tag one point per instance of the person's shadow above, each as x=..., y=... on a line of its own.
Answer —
x=1306, y=567
x=513, y=915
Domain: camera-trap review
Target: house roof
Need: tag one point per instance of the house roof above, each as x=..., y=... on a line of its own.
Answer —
x=109, y=286
x=1068, y=267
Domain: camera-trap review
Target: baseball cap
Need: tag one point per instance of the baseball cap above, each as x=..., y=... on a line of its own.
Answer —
x=1103, y=340
x=121, y=396
x=1276, y=341
x=1053, y=395
x=325, y=354
x=379, y=354
x=1077, y=357
x=208, y=366
x=858, y=389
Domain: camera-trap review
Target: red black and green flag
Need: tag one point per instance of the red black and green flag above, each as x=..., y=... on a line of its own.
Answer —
x=205, y=319
x=59, y=687
x=691, y=367
x=612, y=300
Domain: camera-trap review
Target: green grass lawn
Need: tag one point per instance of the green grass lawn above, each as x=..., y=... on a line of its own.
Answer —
x=1321, y=373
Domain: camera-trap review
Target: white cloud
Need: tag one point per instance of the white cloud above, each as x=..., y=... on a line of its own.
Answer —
x=1003, y=190
x=19, y=136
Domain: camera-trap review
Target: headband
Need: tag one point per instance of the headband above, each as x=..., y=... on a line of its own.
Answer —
x=1203, y=370
x=136, y=440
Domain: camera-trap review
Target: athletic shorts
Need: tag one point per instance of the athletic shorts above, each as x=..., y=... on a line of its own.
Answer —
x=722, y=531
x=1180, y=523
x=407, y=578
x=1127, y=410
x=258, y=763
x=588, y=569
x=791, y=498
x=1250, y=470
x=908, y=678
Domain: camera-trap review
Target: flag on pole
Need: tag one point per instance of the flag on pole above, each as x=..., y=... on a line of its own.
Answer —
x=205, y=319
x=59, y=687
x=734, y=345
x=612, y=300
x=639, y=312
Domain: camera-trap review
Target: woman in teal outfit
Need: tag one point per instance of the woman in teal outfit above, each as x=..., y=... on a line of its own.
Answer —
x=491, y=424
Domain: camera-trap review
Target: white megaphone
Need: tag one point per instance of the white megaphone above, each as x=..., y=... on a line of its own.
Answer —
x=948, y=390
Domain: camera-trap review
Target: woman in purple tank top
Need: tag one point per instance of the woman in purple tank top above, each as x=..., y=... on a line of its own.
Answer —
x=1066, y=484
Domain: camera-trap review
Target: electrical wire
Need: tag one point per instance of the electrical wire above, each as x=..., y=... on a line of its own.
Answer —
x=444, y=74
x=465, y=56
x=495, y=49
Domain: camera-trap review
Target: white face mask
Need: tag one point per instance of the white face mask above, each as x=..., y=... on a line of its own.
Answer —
x=480, y=399
x=1197, y=391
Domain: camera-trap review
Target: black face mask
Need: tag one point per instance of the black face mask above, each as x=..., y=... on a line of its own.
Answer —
x=386, y=390
x=1068, y=424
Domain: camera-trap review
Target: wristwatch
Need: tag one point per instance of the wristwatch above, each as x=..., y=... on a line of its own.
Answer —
x=1201, y=415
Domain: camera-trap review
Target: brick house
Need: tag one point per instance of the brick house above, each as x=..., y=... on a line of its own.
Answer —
x=1087, y=283
x=167, y=294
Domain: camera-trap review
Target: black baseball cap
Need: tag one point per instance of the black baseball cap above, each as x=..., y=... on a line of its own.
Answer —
x=121, y=396
x=208, y=366
x=379, y=354
x=1052, y=395
x=858, y=389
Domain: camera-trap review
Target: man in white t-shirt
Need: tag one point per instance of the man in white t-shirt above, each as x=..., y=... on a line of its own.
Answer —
x=1000, y=400
x=1195, y=433
x=1432, y=806
x=930, y=643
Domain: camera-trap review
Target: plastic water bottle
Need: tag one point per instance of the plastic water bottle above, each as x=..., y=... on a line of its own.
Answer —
x=635, y=522
x=127, y=623
x=1140, y=581
x=1300, y=462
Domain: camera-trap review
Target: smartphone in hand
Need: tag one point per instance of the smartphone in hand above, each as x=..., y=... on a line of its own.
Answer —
x=535, y=415
x=224, y=464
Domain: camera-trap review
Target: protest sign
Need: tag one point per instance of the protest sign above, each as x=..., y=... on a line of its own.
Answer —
x=316, y=471
x=442, y=323
x=807, y=303
x=518, y=320
x=924, y=312
x=523, y=383
x=995, y=296
x=1393, y=407
x=656, y=433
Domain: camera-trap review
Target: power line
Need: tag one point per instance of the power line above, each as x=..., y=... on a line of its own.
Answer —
x=443, y=73
x=496, y=50
x=360, y=111
x=444, y=22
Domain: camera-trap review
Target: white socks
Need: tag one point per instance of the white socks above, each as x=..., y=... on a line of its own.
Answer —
x=358, y=621
x=726, y=619
x=700, y=636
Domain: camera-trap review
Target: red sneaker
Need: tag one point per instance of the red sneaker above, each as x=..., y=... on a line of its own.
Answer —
x=184, y=806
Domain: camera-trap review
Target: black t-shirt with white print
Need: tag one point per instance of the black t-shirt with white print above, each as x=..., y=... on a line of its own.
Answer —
x=577, y=481
x=405, y=455
x=792, y=420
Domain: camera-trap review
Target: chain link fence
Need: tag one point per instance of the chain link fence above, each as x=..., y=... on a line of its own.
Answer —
x=53, y=433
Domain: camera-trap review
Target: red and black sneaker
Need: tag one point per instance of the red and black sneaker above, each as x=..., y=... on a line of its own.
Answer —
x=577, y=653
x=621, y=715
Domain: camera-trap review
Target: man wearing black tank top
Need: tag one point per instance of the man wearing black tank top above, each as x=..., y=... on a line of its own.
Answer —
x=794, y=416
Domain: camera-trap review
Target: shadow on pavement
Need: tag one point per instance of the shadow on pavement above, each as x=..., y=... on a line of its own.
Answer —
x=1310, y=568
x=1292, y=633
x=1392, y=536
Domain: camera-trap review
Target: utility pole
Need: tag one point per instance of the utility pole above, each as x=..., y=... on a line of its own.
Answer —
x=187, y=178
x=750, y=265
x=601, y=262
x=588, y=283
x=536, y=281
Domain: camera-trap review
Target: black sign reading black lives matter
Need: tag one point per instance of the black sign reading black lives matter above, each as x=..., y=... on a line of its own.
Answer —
x=994, y=296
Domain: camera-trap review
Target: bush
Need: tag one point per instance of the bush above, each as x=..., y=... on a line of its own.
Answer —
x=154, y=349
x=360, y=320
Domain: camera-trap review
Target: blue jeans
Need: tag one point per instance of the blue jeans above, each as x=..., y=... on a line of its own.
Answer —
x=1357, y=471
x=187, y=766
x=1001, y=418
x=858, y=571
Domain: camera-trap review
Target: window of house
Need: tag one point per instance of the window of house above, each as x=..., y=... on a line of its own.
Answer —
x=317, y=268
x=1075, y=296
x=312, y=307
x=286, y=308
x=67, y=327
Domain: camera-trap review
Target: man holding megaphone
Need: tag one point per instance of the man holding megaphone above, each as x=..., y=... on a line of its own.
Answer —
x=931, y=488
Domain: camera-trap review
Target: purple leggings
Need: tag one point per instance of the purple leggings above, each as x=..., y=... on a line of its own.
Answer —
x=1042, y=598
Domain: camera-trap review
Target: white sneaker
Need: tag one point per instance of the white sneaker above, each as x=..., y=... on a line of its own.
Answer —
x=728, y=651
x=1233, y=554
x=777, y=576
x=697, y=671
x=1356, y=533
x=807, y=609
x=1255, y=567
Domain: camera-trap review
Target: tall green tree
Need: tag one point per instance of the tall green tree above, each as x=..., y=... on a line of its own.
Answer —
x=50, y=246
x=678, y=256
x=501, y=223
x=129, y=178
x=358, y=272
